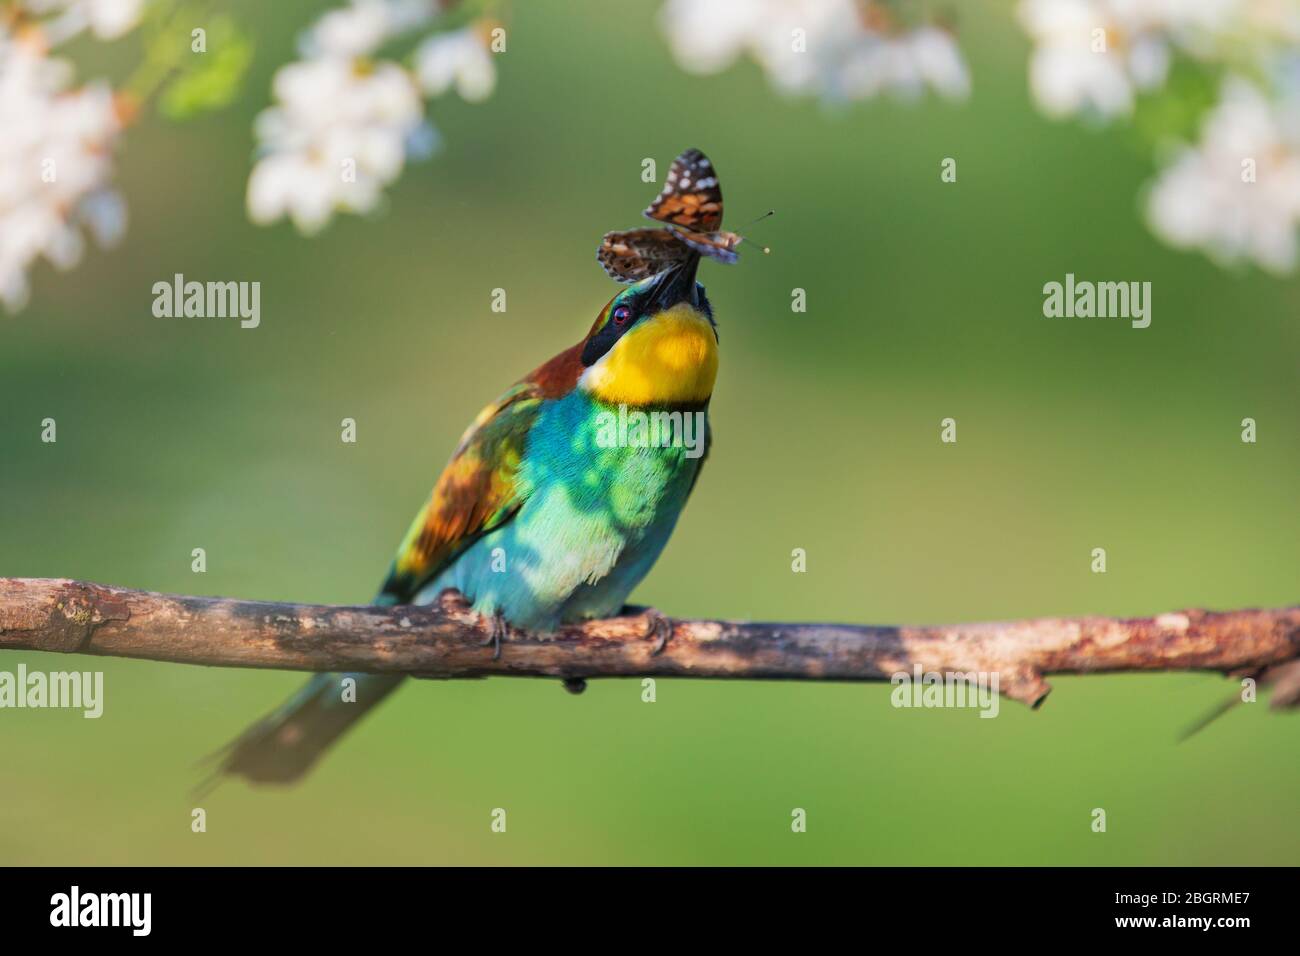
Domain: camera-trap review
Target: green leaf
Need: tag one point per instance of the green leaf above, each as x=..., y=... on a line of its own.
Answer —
x=212, y=79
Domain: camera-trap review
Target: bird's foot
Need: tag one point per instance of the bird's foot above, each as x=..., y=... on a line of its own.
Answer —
x=500, y=632
x=658, y=627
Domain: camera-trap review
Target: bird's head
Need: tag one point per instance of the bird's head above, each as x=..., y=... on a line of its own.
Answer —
x=655, y=343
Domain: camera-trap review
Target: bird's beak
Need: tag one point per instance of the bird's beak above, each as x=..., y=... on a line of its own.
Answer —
x=675, y=286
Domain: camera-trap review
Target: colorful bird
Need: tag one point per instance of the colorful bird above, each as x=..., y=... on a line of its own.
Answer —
x=551, y=509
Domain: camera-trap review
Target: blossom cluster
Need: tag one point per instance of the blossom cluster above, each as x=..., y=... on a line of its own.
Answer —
x=58, y=143
x=345, y=122
x=1234, y=194
x=836, y=50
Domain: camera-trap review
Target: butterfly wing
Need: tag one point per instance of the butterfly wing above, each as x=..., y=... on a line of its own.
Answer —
x=691, y=197
x=634, y=255
x=716, y=245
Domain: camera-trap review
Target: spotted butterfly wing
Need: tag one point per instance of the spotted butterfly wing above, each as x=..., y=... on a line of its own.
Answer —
x=639, y=253
x=691, y=204
x=691, y=197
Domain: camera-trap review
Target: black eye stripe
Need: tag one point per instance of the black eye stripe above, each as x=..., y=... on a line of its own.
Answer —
x=612, y=330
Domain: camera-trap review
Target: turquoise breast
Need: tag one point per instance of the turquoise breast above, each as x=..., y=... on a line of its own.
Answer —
x=602, y=489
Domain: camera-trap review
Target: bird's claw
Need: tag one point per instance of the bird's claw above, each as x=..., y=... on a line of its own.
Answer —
x=658, y=627
x=500, y=631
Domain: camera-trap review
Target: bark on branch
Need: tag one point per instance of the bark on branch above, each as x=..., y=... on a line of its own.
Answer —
x=445, y=641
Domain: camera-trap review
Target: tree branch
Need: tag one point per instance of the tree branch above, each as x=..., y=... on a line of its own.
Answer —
x=445, y=641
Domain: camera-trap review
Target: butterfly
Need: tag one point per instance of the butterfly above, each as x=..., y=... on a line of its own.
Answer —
x=691, y=205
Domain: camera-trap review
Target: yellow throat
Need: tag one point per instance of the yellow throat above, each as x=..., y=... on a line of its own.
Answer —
x=670, y=359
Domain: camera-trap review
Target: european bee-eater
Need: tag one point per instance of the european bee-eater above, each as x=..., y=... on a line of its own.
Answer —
x=546, y=514
x=535, y=520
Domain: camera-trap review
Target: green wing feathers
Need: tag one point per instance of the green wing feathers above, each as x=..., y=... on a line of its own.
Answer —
x=477, y=491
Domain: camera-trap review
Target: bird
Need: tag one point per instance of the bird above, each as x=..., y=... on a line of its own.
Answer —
x=545, y=514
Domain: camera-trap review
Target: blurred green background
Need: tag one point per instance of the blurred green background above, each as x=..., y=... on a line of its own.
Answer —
x=924, y=301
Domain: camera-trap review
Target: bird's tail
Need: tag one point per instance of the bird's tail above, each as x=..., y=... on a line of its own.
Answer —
x=286, y=743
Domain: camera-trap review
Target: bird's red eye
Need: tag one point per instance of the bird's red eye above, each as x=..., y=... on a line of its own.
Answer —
x=621, y=315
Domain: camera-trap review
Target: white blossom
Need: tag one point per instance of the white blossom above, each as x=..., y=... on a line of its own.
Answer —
x=1236, y=195
x=56, y=162
x=905, y=65
x=107, y=19
x=1093, y=57
x=708, y=37
x=363, y=26
x=343, y=124
x=834, y=49
x=339, y=133
x=459, y=58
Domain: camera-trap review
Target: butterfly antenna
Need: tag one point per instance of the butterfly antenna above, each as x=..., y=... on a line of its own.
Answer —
x=766, y=249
